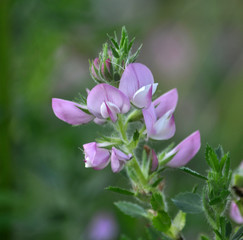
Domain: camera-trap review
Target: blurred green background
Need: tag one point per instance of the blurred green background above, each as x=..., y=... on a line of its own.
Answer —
x=195, y=46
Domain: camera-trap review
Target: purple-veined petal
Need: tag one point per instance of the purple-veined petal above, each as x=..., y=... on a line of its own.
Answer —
x=235, y=213
x=166, y=102
x=135, y=76
x=143, y=97
x=149, y=118
x=95, y=157
x=186, y=150
x=70, y=112
x=104, y=93
x=155, y=161
x=164, y=128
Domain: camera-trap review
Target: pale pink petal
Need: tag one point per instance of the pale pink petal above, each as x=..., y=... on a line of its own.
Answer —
x=135, y=76
x=186, y=150
x=149, y=118
x=99, y=121
x=108, y=109
x=164, y=128
x=118, y=159
x=143, y=97
x=166, y=102
x=70, y=112
x=102, y=93
x=235, y=213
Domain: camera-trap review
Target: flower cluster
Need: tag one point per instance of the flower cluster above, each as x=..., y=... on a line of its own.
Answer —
x=135, y=92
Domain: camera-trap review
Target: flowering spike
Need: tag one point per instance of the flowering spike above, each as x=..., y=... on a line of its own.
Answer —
x=70, y=112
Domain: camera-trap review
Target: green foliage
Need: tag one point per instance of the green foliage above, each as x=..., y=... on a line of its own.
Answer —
x=120, y=190
x=178, y=223
x=188, y=202
x=162, y=221
x=157, y=201
x=192, y=172
x=238, y=235
x=131, y=209
x=204, y=238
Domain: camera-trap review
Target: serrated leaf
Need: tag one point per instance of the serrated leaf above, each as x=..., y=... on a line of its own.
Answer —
x=192, y=172
x=212, y=158
x=188, y=202
x=120, y=190
x=162, y=221
x=239, y=234
x=131, y=209
x=157, y=201
x=114, y=42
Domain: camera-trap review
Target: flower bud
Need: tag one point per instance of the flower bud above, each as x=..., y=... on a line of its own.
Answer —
x=95, y=68
x=106, y=69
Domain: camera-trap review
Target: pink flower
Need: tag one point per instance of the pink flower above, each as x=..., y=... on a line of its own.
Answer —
x=95, y=67
x=118, y=159
x=95, y=157
x=158, y=117
x=185, y=150
x=235, y=213
x=70, y=112
x=106, y=101
x=137, y=83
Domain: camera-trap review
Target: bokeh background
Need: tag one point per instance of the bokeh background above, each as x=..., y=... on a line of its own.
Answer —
x=45, y=191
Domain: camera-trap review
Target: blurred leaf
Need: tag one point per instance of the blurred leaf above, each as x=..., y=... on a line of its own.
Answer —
x=204, y=238
x=157, y=201
x=188, y=202
x=131, y=209
x=192, y=172
x=162, y=221
x=179, y=221
x=239, y=234
x=120, y=190
x=219, y=152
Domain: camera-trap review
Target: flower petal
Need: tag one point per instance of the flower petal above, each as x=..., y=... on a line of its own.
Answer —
x=166, y=102
x=235, y=213
x=164, y=128
x=135, y=76
x=95, y=157
x=186, y=150
x=108, y=109
x=143, y=97
x=149, y=118
x=70, y=112
x=106, y=93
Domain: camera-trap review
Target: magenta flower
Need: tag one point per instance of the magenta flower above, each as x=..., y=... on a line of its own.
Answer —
x=118, y=159
x=70, y=112
x=158, y=117
x=185, y=150
x=106, y=101
x=95, y=157
x=235, y=213
x=137, y=83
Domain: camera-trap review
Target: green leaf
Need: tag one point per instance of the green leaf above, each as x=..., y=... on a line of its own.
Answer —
x=136, y=135
x=131, y=209
x=228, y=229
x=157, y=182
x=178, y=223
x=219, y=152
x=130, y=44
x=114, y=52
x=188, y=202
x=239, y=234
x=218, y=234
x=192, y=172
x=212, y=158
x=157, y=201
x=120, y=190
x=114, y=42
x=162, y=221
